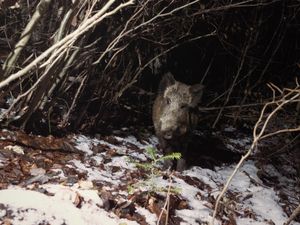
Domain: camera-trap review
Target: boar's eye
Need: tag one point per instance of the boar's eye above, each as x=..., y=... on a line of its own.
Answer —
x=184, y=106
x=168, y=101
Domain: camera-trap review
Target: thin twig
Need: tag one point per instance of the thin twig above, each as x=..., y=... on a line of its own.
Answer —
x=295, y=213
x=166, y=206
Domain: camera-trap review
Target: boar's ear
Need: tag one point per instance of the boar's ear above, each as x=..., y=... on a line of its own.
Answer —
x=196, y=91
x=167, y=80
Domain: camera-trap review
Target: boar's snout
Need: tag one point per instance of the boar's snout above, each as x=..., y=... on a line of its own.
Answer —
x=168, y=135
x=174, y=133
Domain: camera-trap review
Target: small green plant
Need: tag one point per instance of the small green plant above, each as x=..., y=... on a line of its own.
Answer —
x=154, y=171
x=157, y=159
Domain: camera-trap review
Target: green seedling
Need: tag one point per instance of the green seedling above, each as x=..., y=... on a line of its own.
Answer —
x=154, y=171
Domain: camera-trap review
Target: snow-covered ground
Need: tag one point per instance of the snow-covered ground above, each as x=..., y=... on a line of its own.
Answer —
x=105, y=184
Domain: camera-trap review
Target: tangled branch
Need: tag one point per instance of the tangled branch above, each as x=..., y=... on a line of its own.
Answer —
x=259, y=132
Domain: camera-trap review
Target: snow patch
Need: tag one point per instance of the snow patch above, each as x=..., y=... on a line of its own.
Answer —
x=31, y=207
x=151, y=218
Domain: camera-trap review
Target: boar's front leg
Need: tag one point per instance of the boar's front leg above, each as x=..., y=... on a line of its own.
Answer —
x=168, y=149
x=181, y=165
x=168, y=163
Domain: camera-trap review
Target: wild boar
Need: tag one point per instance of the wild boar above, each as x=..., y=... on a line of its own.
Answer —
x=172, y=116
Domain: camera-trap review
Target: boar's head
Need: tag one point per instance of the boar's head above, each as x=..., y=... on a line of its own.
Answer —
x=172, y=108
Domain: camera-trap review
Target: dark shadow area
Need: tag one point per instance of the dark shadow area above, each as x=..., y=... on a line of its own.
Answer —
x=209, y=151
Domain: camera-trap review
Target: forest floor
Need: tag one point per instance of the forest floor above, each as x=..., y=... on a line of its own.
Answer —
x=105, y=180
